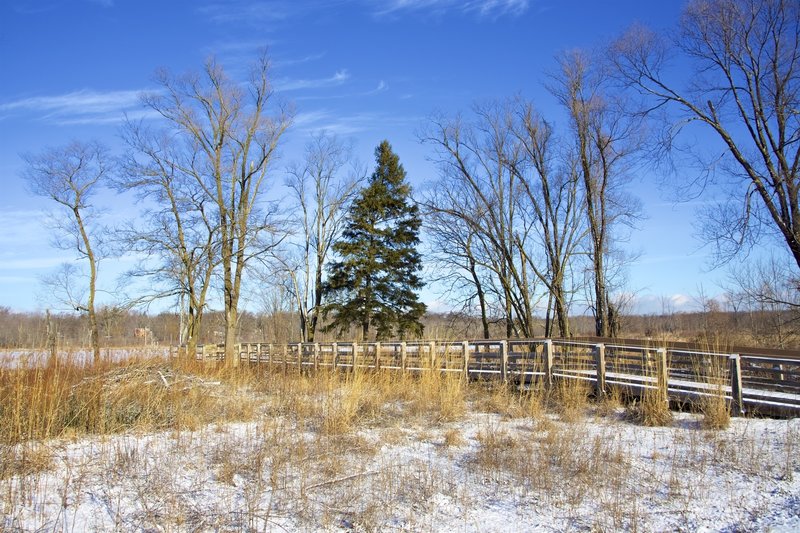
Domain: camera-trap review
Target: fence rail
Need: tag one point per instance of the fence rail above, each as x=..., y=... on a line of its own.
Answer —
x=767, y=383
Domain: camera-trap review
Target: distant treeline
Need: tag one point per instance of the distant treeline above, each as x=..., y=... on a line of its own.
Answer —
x=123, y=327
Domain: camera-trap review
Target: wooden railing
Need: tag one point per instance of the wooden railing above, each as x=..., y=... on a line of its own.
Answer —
x=760, y=383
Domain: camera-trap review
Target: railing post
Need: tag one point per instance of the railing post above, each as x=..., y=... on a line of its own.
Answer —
x=285, y=358
x=432, y=348
x=377, y=356
x=335, y=359
x=403, y=355
x=465, y=348
x=600, y=364
x=548, y=363
x=662, y=374
x=504, y=361
x=355, y=355
x=299, y=356
x=316, y=356
x=737, y=401
x=269, y=355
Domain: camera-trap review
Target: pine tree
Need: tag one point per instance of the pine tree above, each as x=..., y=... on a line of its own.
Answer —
x=374, y=284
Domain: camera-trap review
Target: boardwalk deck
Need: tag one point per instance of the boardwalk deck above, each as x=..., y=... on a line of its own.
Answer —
x=766, y=383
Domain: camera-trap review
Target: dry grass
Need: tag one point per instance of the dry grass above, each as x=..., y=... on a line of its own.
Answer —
x=714, y=406
x=571, y=399
x=319, y=445
x=650, y=409
x=42, y=403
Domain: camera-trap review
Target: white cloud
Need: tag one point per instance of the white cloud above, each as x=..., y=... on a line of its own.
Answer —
x=297, y=61
x=33, y=263
x=344, y=125
x=310, y=117
x=79, y=107
x=662, y=304
x=259, y=12
x=246, y=11
x=481, y=7
x=338, y=78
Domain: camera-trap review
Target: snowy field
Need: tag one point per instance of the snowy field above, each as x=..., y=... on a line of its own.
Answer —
x=483, y=472
x=79, y=356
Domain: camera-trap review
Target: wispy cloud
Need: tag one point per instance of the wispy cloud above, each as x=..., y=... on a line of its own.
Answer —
x=260, y=12
x=33, y=263
x=23, y=228
x=337, y=79
x=344, y=125
x=246, y=11
x=663, y=303
x=79, y=107
x=288, y=62
x=381, y=87
x=492, y=8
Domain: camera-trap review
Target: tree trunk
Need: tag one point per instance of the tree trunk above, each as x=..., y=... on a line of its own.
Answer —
x=601, y=296
x=231, y=322
x=481, y=295
x=192, y=332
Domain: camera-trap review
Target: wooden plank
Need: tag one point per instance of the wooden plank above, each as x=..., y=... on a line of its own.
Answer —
x=504, y=363
x=662, y=371
x=465, y=352
x=548, y=363
x=600, y=369
x=758, y=378
x=737, y=407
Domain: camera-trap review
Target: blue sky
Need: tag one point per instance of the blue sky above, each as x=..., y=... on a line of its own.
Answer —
x=366, y=70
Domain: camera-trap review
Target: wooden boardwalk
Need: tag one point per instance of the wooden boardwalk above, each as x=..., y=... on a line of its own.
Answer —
x=759, y=383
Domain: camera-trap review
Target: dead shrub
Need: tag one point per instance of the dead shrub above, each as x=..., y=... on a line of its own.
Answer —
x=571, y=398
x=453, y=438
x=650, y=409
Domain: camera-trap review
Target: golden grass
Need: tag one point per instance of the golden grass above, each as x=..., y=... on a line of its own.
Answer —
x=146, y=394
x=650, y=409
x=714, y=406
x=307, y=450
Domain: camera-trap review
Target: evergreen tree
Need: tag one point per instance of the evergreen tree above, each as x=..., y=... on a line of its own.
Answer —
x=375, y=282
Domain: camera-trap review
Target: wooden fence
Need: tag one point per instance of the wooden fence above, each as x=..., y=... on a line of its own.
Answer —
x=751, y=382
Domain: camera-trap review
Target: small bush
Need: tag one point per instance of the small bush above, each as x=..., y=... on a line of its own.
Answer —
x=715, y=410
x=650, y=409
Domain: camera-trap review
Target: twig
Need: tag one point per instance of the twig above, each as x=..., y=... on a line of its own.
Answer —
x=339, y=480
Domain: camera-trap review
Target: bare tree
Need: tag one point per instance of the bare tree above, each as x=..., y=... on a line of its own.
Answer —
x=322, y=188
x=452, y=249
x=479, y=192
x=769, y=288
x=176, y=232
x=70, y=175
x=552, y=204
x=604, y=139
x=744, y=88
x=230, y=139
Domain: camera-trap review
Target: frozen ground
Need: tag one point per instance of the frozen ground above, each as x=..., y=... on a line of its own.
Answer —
x=481, y=473
x=77, y=356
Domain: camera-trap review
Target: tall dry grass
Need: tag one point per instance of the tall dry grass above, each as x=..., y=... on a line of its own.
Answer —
x=321, y=448
x=75, y=399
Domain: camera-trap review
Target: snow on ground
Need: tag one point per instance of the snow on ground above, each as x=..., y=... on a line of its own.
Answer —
x=79, y=356
x=481, y=473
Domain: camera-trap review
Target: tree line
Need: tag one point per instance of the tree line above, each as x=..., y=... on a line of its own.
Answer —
x=524, y=219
